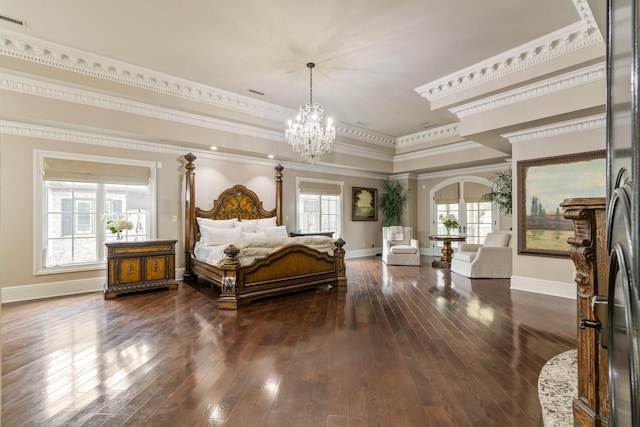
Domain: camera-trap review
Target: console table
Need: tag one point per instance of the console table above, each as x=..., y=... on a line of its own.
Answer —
x=447, y=251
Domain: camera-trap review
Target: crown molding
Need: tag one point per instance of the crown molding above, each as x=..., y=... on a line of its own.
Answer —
x=88, y=138
x=30, y=86
x=534, y=90
x=464, y=171
x=571, y=126
x=429, y=135
x=568, y=39
x=437, y=151
x=45, y=52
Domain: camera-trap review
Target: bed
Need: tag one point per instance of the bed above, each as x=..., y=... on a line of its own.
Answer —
x=293, y=267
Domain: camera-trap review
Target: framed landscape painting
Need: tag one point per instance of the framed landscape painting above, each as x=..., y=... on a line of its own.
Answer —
x=364, y=204
x=545, y=183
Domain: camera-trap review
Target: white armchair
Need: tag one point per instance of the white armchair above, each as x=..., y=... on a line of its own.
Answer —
x=493, y=259
x=399, y=247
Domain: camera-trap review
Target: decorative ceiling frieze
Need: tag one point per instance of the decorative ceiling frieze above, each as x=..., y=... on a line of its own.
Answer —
x=45, y=52
x=61, y=92
x=534, y=90
x=429, y=135
x=598, y=121
x=437, y=151
x=573, y=37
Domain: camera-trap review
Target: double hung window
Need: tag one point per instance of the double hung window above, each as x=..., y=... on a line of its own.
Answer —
x=319, y=206
x=74, y=196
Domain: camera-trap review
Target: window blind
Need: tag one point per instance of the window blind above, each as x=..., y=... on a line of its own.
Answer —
x=323, y=188
x=56, y=169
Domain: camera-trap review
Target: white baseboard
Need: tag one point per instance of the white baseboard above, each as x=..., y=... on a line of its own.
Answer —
x=58, y=289
x=359, y=253
x=52, y=289
x=546, y=287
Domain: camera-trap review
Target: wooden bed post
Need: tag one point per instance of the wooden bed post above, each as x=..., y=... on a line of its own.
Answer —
x=279, y=170
x=190, y=214
x=341, y=268
x=229, y=293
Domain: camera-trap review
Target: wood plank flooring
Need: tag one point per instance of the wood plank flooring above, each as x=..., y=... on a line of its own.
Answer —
x=403, y=346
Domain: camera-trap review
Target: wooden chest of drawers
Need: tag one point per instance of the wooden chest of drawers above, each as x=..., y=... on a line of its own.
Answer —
x=137, y=266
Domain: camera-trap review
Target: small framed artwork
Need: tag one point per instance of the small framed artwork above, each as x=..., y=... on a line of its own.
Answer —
x=545, y=183
x=364, y=204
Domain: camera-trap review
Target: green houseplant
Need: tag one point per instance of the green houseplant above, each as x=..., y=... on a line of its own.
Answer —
x=501, y=195
x=392, y=201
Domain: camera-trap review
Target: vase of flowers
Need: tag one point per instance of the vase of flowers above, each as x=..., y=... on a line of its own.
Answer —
x=118, y=225
x=450, y=222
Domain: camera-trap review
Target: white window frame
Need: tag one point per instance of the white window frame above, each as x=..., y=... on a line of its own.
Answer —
x=39, y=196
x=339, y=222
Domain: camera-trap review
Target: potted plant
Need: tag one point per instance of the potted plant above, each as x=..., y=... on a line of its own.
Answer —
x=392, y=201
x=501, y=194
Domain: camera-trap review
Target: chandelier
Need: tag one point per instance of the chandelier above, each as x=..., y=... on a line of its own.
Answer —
x=307, y=136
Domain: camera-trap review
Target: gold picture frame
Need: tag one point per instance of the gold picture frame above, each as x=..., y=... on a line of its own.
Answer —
x=364, y=204
x=545, y=183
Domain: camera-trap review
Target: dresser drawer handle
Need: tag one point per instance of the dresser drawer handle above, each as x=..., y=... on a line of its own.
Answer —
x=155, y=267
x=130, y=269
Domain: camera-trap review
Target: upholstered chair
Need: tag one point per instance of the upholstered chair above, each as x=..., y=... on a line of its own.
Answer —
x=493, y=259
x=399, y=247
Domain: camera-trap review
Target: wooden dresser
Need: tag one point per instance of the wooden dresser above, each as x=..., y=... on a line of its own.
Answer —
x=137, y=266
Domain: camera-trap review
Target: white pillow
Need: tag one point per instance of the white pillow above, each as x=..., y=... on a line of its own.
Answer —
x=246, y=226
x=276, y=232
x=250, y=236
x=261, y=224
x=220, y=236
x=216, y=223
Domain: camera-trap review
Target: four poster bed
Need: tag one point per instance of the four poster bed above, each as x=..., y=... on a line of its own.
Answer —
x=257, y=267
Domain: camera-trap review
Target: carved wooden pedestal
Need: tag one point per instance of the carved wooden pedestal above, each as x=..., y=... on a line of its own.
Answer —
x=589, y=253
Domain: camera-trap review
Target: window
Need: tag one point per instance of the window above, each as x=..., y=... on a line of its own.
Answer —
x=462, y=197
x=74, y=195
x=319, y=206
x=479, y=221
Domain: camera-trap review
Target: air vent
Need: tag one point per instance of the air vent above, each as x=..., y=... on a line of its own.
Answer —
x=12, y=20
x=363, y=123
x=427, y=125
x=256, y=92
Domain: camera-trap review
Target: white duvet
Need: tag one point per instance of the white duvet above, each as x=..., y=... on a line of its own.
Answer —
x=252, y=249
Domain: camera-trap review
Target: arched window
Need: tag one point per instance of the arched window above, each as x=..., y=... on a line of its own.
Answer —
x=462, y=197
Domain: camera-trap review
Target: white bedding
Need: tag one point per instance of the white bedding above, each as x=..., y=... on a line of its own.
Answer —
x=251, y=249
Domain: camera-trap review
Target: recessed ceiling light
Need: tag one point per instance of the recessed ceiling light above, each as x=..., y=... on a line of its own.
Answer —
x=213, y=147
x=271, y=156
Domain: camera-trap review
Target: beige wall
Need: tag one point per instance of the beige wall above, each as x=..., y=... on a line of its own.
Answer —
x=213, y=175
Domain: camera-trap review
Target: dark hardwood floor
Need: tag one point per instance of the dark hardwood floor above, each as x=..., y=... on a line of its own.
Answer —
x=403, y=346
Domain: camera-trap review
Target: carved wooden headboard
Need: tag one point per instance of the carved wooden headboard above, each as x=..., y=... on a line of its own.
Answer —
x=236, y=202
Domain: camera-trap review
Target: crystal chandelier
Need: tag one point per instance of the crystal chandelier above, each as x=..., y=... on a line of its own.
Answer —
x=307, y=136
